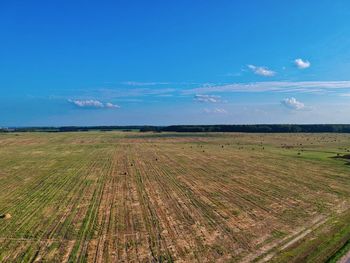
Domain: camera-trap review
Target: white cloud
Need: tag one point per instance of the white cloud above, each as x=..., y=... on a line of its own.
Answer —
x=292, y=103
x=93, y=104
x=262, y=71
x=87, y=103
x=302, y=64
x=215, y=110
x=206, y=98
x=111, y=105
x=345, y=95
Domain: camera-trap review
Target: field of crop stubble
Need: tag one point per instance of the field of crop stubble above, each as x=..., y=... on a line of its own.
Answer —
x=140, y=197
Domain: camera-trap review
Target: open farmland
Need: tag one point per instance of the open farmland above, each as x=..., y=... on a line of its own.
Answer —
x=141, y=197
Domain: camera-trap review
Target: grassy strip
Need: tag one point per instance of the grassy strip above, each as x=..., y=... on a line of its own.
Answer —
x=319, y=246
x=340, y=253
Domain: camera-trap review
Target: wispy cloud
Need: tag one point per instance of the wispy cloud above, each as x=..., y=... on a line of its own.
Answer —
x=118, y=92
x=302, y=64
x=293, y=103
x=111, y=105
x=216, y=110
x=93, y=104
x=207, y=98
x=262, y=71
x=273, y=86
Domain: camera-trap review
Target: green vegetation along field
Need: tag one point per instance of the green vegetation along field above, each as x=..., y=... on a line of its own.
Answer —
x=163, y=197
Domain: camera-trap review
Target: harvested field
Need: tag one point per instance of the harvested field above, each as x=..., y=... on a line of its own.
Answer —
x=149, y=197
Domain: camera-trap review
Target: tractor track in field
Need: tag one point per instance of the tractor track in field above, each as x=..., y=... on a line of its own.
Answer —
x=269, y=251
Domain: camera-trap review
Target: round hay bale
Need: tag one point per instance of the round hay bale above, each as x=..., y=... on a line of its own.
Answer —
x=5, y=216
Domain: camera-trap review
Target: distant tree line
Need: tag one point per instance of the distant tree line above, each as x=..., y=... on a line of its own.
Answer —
x=71, y=129
x=262, y=128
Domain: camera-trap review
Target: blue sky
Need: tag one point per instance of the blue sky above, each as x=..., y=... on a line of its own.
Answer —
x=174, y=62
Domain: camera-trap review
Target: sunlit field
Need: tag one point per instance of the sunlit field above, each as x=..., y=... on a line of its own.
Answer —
x=183, y=197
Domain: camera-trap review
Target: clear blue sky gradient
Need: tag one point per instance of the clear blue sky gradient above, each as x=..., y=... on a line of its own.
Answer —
x=173, y=62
